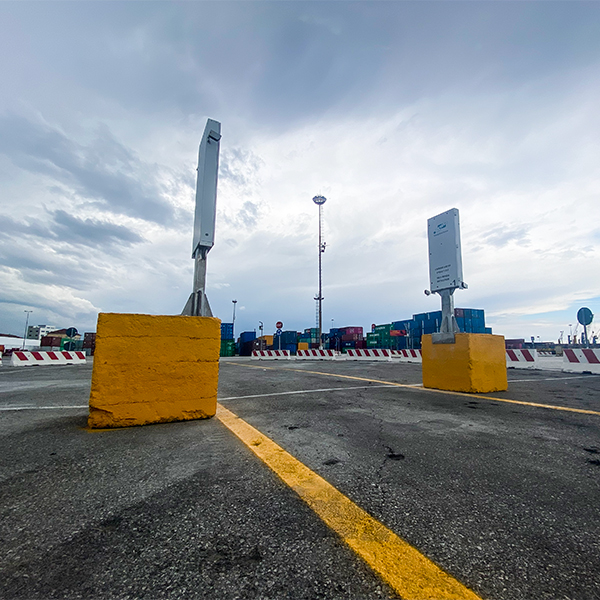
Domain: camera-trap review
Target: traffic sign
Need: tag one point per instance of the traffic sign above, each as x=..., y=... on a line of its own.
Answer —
x=585, y=316
x=70, y=346
x=71, y=332
x=279, y=324
x=278, y=332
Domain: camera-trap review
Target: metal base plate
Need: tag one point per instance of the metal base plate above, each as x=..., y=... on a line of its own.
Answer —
x=443, y=338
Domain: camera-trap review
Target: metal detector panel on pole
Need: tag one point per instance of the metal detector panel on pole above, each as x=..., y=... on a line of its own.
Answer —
x=445, y=259
x=445, y=269
x=206, y=189
x=205, y=215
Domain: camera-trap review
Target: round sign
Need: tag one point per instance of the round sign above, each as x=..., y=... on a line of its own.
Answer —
x=279, y=324
x=70, y=346
x=585, y=316
x=71, y=332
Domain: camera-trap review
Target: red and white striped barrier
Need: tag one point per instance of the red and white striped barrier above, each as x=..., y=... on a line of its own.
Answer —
x=28, y=359
x=581, y=360
x=369, y=354
x=316, y=354
x=521, y=359
x=271, y=354
x=411, y=356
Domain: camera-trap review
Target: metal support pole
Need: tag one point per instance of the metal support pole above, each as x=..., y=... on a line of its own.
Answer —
x=320, y=200
x=449, y=326
x=26, y=324
x=233, y=319
x=320, y=325
x=200, y=305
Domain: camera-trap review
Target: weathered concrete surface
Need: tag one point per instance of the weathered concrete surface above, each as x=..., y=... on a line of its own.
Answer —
x=475, y=363
x=154, y=369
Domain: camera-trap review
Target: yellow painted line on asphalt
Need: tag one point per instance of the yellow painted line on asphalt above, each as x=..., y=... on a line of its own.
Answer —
x=411, y=574
x=583, y=411
x=463, y=394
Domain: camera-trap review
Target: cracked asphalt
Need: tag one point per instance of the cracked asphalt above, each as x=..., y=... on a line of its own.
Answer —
x=503, y=497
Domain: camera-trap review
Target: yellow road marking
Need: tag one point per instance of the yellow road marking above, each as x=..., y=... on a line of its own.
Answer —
x=584, y=411
x=405, y=569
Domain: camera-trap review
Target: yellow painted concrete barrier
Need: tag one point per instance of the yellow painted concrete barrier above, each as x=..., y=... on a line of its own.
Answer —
x=475, y=363
x=154, y=369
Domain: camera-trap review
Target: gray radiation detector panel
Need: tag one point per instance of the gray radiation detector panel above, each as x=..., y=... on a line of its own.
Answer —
x=206, y=189
x=445, y=259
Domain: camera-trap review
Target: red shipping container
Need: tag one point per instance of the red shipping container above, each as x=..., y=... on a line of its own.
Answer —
x=352, y=337
x=351, y=330
x=361, y=344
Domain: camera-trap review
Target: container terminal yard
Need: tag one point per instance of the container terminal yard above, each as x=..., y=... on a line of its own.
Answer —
x=499, y=491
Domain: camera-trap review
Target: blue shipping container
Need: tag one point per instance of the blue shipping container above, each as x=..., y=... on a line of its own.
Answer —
x=226, y=331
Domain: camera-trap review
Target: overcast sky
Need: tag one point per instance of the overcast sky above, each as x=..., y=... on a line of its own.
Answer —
x=395, y=111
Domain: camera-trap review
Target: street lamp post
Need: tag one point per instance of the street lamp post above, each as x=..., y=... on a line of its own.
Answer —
x=233, y=320
x=319, y=201
x=26, y=325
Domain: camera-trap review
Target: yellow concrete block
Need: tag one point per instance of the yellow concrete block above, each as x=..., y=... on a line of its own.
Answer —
x=154, y=369
x=302, y=345
x=475, y=363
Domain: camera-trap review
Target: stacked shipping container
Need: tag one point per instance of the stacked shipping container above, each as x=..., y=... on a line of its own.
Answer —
x=397, y=335
x=246, y=343
x=227, y=341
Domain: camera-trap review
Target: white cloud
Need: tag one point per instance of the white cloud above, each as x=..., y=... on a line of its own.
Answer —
x=394, y=125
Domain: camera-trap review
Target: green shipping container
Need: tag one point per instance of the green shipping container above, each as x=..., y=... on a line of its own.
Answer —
x=227, y=347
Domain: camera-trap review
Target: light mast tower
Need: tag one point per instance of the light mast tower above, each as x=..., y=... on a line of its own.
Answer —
x=319, y=201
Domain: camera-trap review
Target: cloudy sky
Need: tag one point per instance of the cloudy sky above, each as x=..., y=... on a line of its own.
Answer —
x=395, y=111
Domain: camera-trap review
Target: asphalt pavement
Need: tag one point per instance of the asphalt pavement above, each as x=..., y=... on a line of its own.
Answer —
x=500, y=490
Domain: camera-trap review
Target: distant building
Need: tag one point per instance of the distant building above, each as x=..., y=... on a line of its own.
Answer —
x=60, y=333
x=35, y=332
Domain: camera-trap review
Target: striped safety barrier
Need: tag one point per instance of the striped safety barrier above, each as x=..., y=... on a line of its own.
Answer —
x=581, y=360
x=369, y=354
x=411, y=356
x=316, y=354
x=271, y=354
x=521, y=359
x=28, y=359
